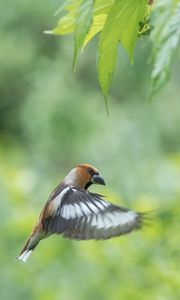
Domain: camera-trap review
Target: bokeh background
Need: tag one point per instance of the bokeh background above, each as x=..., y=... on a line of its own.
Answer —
x=50, y=120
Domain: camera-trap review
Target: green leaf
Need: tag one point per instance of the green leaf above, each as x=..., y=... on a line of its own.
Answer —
x=130, y=34
x=66, y=24
x=97, y=26
x=63, y=6
x=122, y=24
x=165, y=37
x=82, y=25
x=100, y=12
x=102, y=6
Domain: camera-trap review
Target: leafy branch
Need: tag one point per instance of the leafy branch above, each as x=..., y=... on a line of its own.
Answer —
x=165, y=39
x=122, y=21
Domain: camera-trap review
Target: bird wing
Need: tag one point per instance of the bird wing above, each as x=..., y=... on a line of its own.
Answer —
x=82, y=215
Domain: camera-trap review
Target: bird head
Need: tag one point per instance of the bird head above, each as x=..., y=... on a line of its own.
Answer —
x=83, y=175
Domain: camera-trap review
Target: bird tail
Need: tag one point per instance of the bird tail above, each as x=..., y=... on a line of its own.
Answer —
x=30, y=245
x=24, y=256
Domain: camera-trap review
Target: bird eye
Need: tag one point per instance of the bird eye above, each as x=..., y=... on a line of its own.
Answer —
x=92, y=172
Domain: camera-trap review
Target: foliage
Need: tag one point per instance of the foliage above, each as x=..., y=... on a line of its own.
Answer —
x=165, y=38
x=123, y=21
x=50, y=120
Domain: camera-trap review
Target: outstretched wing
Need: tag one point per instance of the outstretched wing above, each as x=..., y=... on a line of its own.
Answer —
x=82, y=215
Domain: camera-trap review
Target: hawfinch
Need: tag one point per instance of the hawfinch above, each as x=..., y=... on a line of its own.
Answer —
x=76, y=213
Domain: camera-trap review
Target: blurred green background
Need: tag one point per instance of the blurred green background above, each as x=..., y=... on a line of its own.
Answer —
x=52, y=119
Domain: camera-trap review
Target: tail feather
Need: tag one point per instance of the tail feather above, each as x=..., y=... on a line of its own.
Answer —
x=25, y=255
x=31, y=243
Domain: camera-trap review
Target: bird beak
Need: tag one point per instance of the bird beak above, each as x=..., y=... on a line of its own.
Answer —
x=97, y=179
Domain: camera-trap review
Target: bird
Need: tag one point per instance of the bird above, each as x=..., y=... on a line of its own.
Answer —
x=74, y=212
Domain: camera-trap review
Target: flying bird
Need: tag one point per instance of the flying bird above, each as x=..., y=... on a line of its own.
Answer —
x=75, y=213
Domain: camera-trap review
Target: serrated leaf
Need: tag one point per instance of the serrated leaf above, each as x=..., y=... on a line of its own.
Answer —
x=129, y=36
x=97, y=26
x=121, y=24
x=82, y=25
x=102, y=6
x=165, y=37
x=100, y=12
x=66, y=23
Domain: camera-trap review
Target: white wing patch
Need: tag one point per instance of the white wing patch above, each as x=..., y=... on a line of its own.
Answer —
x=100, y=222
x=107, y=221
x=58, y=199
x=113, y=219
x=93, y=221
x=68, y=211
x=77, y=210
x=100, y=205
x=72, y=211
x=105, y=204
x=94, y=208
x=85, y=209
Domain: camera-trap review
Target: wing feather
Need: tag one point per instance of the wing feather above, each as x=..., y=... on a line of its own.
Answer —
x=82, y=215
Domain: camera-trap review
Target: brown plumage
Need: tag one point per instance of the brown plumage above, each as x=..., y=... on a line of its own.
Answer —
x=75, y=213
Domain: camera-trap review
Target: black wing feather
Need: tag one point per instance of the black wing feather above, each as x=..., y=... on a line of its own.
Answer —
x=83, y=215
